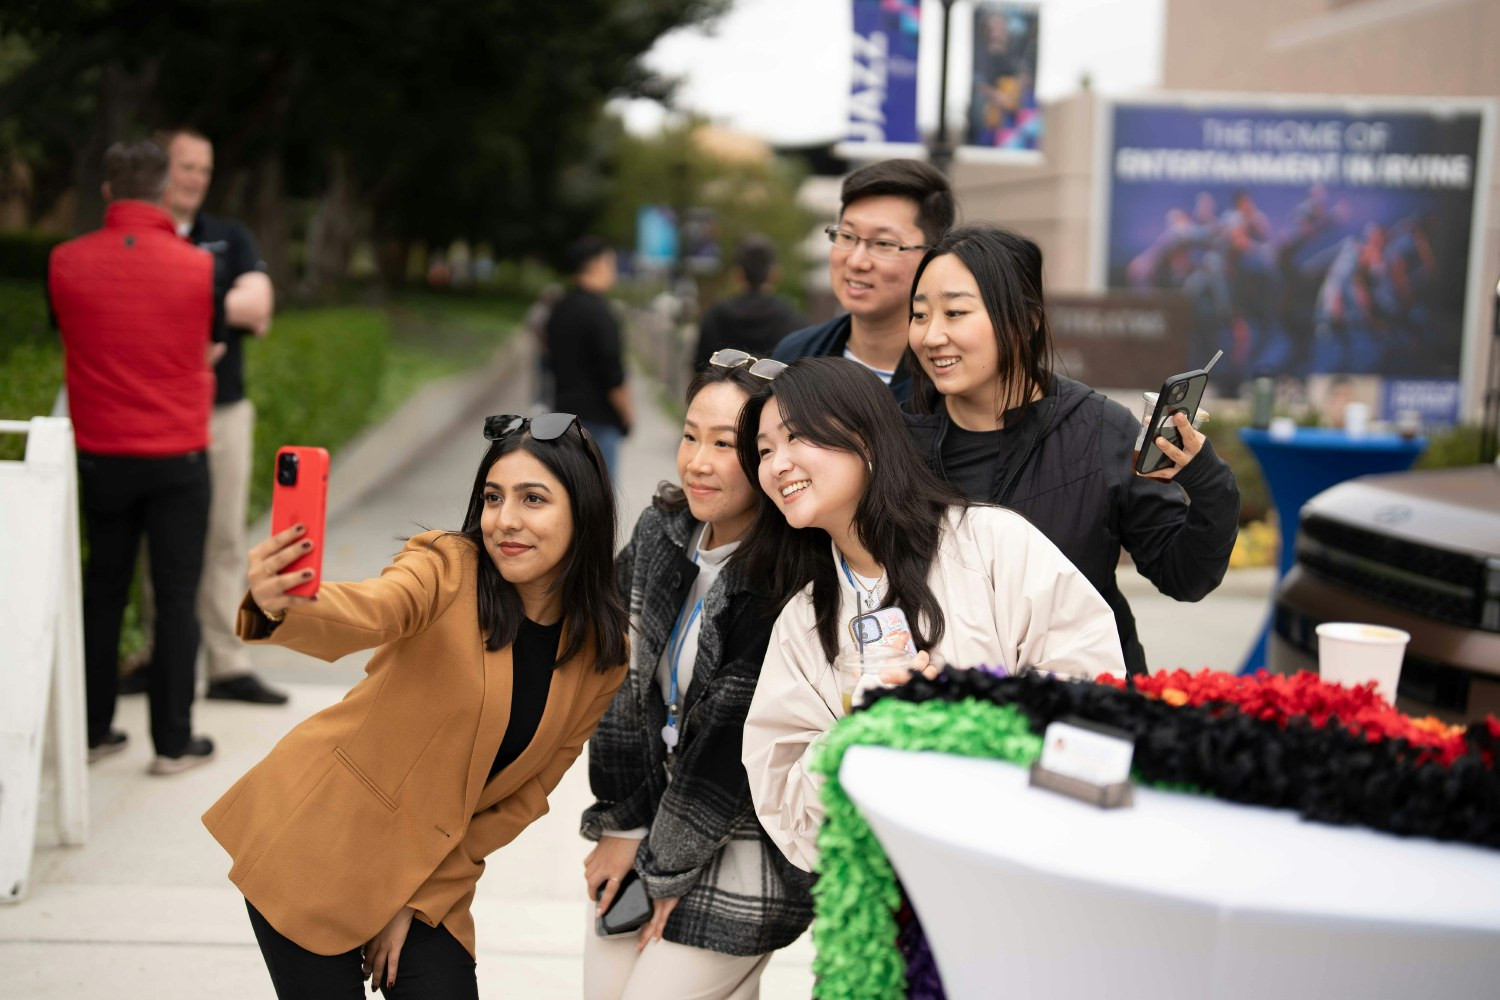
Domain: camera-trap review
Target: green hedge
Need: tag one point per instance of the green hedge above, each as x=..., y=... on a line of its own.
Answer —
x=30, y=360
x=315, y=381
x=23, y=254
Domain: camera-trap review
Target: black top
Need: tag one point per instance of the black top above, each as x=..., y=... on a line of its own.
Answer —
x=972, y=459
x=583, y=340
x=234, y=254
x=532, y=656
x=753, y=322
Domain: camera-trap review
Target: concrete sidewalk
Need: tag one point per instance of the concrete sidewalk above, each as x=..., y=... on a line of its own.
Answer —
x=145, y=909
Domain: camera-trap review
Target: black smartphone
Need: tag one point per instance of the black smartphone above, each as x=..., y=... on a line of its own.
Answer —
x=1179, y=394
x=629, y=910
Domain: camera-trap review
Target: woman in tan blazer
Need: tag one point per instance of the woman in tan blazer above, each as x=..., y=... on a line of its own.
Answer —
x=500, y=646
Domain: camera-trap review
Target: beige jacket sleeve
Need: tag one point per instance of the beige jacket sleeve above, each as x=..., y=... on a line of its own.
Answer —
x=796, y=701
x=1049, y=617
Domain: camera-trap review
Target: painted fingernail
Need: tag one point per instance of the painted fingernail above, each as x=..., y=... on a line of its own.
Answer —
x=299, y=529
x=306, y=546
x=307, y=574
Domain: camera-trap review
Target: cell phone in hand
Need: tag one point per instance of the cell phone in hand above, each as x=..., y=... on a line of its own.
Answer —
x=628, y=911
x=300, y=496
x=886, y=627
x=1180, y=393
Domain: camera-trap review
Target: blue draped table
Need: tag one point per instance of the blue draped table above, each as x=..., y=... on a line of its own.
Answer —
x=1298, y=468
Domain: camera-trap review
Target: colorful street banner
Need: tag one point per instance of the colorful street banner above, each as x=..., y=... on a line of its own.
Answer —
x=1004, y=119
x=883, y=87
x=1311, y=238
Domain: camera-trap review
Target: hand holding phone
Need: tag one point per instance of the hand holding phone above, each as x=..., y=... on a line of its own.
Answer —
x=1180, y=393
x=300, y=496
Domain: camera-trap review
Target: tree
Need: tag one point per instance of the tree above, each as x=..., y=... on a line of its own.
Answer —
x=411, y=121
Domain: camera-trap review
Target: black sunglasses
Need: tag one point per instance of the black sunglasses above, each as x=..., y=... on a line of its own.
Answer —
x=543, y=427
x=766, y=368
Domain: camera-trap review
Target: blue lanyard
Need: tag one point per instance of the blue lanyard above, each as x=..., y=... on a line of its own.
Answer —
x=859, y=592
x=675, y=643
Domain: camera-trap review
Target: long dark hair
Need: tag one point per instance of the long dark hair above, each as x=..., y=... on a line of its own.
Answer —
x=1007, y=267
x=669, y=496
x=592, y=602
x=840, y=404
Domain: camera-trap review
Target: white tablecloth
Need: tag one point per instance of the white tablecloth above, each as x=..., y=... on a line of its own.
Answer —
x=1026, y=893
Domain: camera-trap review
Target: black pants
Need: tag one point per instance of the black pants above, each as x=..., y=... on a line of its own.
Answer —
x=432, y=966
x=166, y=499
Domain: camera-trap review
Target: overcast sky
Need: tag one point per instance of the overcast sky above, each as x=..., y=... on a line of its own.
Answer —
x=780, y=68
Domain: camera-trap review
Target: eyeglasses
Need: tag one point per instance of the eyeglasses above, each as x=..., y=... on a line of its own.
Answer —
x=544, y=427
x=766, y=368
x=846, y=241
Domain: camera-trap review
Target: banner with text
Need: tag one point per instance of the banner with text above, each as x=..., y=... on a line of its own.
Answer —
x=883, y=87
x=1309, y=240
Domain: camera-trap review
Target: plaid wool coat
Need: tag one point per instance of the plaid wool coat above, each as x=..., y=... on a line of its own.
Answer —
x=739, y=894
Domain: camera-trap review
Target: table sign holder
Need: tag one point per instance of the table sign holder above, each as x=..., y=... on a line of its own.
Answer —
x=1086, y=761
x=1113, y=796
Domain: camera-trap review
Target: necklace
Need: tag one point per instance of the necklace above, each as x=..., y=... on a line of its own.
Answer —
x=867, y=601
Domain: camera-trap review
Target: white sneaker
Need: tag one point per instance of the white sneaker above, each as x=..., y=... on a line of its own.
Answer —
x=199, y=750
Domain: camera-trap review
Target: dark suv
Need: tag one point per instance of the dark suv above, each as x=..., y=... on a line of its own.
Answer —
x=1418, y=551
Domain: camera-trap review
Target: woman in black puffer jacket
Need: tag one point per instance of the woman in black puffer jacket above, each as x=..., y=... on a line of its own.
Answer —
x=992, y=418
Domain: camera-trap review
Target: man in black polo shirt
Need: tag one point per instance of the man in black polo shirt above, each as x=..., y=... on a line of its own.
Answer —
x=248, y=302
x=583, y=339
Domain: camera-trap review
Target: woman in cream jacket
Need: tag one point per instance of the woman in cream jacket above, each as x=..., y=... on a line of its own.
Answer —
x=855, y=522
x=358, y=841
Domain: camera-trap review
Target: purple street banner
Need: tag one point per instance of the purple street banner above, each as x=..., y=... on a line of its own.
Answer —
x=1004, y=117
x=883, y=87
x=1310, y=239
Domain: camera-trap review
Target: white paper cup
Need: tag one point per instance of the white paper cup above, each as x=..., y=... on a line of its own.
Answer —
x=1283, y=429
x=1356, y=420
x=1352, y=653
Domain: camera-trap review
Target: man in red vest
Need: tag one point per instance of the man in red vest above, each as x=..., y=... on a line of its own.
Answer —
x=135, y=305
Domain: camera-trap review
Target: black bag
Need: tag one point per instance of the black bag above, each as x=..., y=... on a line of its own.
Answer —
x=629, y=910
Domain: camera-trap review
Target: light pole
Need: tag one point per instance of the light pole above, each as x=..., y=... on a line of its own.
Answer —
x=940, y=150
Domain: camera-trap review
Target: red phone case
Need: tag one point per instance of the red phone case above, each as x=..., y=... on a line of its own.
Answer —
x=302, y=502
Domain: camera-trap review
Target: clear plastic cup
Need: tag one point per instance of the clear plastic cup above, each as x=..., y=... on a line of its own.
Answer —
x=859, y=671
x=1352, y=653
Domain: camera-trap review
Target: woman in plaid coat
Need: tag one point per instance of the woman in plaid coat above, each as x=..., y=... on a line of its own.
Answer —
x=672, y=799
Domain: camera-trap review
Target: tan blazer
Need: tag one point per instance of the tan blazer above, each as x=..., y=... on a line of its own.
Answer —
x=384, y=800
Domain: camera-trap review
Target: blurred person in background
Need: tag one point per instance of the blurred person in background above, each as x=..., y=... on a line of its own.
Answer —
x=588, y=359
x=672, y=801
x=891, y=211
x=135, y=306
x=248, y=301
x=755, y=320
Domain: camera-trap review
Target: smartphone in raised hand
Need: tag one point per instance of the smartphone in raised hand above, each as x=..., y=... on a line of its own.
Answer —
x=1181, y=393
x=300, y=496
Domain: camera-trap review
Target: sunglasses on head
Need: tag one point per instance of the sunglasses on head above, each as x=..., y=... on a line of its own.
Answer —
x=766, y=368
x=543, y=427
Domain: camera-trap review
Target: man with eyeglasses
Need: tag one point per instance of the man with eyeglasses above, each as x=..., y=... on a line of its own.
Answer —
x=891, y=212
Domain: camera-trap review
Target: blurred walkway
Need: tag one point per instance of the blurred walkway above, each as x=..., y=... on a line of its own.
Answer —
x=145, y=908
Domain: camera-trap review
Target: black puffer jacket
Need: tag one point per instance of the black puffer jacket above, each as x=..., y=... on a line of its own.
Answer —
x=1068, y=469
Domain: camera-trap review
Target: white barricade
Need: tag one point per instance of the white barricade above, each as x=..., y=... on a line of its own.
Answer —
x=41, y=645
